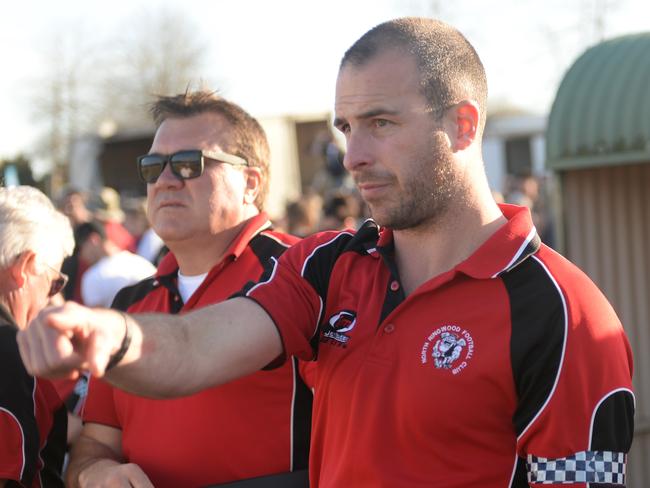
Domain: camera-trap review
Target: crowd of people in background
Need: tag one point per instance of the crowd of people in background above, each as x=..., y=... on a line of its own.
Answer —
x=119, y=226
x=330, y=206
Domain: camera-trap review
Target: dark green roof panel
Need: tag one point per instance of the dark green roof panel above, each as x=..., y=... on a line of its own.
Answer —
x=601, y=113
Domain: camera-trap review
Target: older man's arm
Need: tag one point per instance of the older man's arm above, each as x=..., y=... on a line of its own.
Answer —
x=96, y=460
x=169, y=355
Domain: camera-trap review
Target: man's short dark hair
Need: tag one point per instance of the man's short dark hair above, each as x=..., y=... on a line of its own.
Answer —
x=248, y=139
x=450, y=69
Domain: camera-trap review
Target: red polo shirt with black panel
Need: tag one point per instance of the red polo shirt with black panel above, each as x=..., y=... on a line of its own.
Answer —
x=254, y=426
x=33, y=419
x=509, y=370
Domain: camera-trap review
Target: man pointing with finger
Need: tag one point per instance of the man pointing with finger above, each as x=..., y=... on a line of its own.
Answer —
x=454, y=349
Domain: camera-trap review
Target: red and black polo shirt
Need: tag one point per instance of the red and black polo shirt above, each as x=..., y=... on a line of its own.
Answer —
x=33, y=419
x=254, y=426
x=509, y=370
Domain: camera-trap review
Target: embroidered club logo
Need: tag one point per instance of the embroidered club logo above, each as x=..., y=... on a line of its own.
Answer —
x=337, y=327
x=449, y=347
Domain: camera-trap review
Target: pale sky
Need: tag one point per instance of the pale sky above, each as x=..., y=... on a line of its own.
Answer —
x=281, y=56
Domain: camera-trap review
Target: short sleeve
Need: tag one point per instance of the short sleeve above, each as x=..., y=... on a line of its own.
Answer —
x=293, y=290
x=100, y=405
x=573, y=371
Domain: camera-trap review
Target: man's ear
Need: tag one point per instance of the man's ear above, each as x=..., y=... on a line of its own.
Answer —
x=467, y=120
x=24, y=264
x=253, y=179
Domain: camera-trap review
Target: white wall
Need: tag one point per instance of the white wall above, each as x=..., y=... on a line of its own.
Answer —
x=495, y=162
x=538, y=150
x=285, y=169
x=500, y=128
x=83, y=170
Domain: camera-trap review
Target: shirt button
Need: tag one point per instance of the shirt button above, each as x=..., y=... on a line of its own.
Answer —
x=155, y=283
x=176, y=298
x=394, y=285
x=389, y=328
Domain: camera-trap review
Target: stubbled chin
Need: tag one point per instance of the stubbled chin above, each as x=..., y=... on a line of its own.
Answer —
x=377, y=215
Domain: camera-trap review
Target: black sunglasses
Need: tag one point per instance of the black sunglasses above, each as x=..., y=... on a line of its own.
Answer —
x=185, y=165
x=58, y=283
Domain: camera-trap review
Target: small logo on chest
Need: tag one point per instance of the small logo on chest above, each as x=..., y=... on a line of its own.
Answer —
x=337, y=327
x=449, y=347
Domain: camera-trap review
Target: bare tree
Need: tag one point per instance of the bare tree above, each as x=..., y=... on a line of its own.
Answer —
x=60, y=105
x=594, y=15
x=88, y=80
x=162, y=54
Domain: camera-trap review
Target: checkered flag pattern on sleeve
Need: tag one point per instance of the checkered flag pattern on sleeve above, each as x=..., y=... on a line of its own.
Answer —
x=582, y=467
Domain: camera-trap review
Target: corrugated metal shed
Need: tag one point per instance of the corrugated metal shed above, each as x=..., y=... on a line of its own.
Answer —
x=598, y=142
x=601, y=114
x=607, y=229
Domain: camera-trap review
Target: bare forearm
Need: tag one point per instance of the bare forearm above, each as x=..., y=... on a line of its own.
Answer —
x=85, y=453
x=174, y=355
x=168, y=355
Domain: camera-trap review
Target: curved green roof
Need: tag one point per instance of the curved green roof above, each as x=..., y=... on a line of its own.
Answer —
x=601, y=113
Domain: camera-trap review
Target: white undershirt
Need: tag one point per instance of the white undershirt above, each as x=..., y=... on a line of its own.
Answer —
x=187, y=285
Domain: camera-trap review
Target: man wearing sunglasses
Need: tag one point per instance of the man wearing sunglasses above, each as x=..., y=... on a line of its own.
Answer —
x=207, y=179
x=34, y=240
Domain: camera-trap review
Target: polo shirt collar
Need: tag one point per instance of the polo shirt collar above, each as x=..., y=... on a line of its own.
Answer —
x=511, y=244
x=260, y=222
